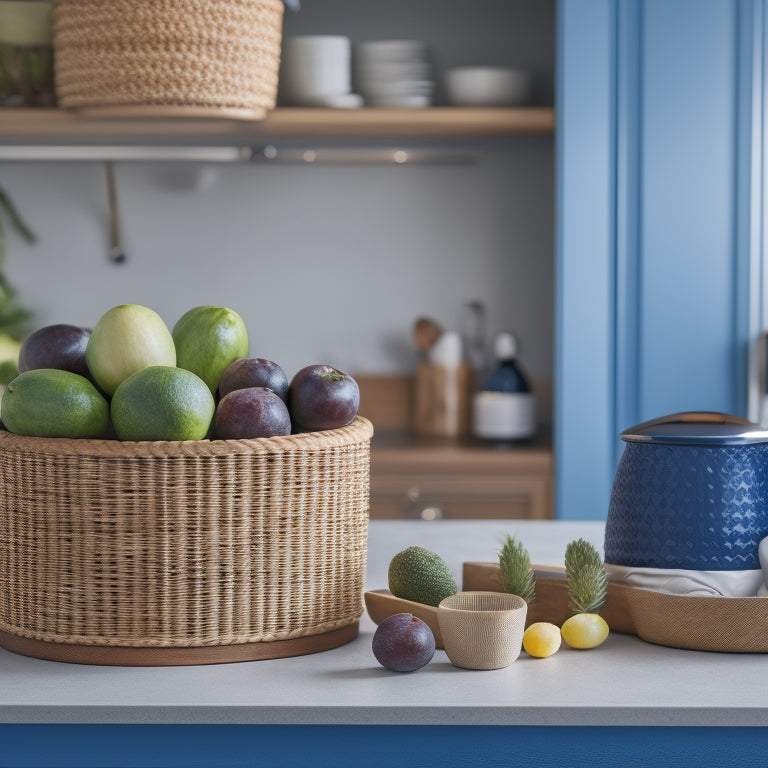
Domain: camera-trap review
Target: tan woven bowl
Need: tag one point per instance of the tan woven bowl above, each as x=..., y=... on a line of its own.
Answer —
x=482, y=630
x=206, y=57
x=183, y=552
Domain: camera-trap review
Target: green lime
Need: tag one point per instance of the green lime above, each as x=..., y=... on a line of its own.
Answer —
x=207, y=340
x=161, y=402
x=47, y=402
x=126, y=339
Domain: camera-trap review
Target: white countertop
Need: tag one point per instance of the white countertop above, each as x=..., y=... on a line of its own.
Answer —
x=624, y=682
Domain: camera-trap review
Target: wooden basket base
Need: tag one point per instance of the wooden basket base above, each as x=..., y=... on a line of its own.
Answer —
x=159, y=657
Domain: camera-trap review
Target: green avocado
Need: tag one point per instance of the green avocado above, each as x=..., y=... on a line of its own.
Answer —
x=420, y=575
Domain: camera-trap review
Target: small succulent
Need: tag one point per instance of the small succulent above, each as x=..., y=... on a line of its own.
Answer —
x=586, y=576
x=515, y=570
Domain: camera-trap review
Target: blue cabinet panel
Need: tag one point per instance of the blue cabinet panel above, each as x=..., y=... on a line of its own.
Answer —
x=355, y=746
x=584, y=293
x=659, y=163
x=688, y=350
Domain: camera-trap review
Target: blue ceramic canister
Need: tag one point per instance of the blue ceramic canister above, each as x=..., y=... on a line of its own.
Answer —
x=690, y=491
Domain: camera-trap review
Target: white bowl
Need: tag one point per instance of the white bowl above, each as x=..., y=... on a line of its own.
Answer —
x=487, y=86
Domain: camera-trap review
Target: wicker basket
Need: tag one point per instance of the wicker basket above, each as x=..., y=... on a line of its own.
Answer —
x=183, y=552
x=207, y=57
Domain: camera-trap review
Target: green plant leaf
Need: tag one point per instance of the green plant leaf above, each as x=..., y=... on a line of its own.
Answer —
x=7, y=206
x=515, y=570
x=586, y=576
x=14, y=316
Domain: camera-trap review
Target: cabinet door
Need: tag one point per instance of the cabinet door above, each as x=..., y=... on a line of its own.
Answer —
x=658, y=161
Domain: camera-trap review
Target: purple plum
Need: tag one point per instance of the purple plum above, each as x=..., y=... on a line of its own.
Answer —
x=254, y=372
x=322, y=397
x=59, y=346
x=250, y=412
x=403, y=643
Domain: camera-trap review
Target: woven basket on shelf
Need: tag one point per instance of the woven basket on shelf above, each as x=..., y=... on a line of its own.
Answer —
x=181, y=553
x=210, y=57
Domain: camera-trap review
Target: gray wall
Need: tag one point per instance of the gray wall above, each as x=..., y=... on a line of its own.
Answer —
x=325, y=263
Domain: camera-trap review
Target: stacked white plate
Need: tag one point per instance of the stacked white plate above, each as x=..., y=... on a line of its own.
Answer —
x=393, y=73
x=315, y=70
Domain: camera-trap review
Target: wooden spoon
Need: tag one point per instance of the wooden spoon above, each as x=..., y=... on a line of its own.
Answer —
x=426, y=332
x=381, y=604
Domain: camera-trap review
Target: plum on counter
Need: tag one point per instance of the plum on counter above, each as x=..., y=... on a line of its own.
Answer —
x=403, y=643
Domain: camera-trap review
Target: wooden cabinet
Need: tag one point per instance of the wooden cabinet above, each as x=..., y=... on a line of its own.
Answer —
x=428, y=481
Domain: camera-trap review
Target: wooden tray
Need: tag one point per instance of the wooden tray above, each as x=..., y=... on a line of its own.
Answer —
x=734, y=624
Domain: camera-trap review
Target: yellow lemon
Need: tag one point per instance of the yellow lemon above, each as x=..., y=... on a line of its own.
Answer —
x=584, y=630
x=541, y=639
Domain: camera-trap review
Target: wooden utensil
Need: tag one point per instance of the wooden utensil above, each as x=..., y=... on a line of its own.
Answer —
x=381, y=603
x=426, y=332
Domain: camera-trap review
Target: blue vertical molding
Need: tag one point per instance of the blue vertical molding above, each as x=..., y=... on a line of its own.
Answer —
x=749, y=197
x=691, y=356
x=585, y=282
x=629, y=214
x=760, y=142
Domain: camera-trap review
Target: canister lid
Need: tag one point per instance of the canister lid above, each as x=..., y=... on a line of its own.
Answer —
x=697, y=428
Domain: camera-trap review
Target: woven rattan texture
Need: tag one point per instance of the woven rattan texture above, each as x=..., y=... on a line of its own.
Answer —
x=183, y=544
x=203, y=53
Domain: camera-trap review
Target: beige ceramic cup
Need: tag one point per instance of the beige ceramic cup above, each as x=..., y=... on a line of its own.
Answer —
x=482, y=630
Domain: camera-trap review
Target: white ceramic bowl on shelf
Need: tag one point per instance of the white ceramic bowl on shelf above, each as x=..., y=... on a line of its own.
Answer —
x=487, y=86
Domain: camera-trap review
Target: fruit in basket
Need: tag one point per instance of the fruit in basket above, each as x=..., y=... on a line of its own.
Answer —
x=584, y=630
x=254, y=372
x=126, y=339
x=56, y=346
x=251, y=412
x=420, y=575
x=47, y=402
x=162, y=403
x=208, y=339
x=322, y=397
x=403, y=643
x=541, y=639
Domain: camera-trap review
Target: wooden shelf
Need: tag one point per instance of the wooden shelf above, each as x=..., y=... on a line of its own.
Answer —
x=40, y=125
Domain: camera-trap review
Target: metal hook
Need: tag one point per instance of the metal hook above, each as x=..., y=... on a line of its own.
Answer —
x=116, y=253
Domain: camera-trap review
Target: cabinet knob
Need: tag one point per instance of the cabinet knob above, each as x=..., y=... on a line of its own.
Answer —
x=428, y=513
